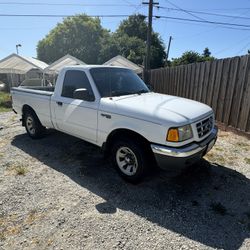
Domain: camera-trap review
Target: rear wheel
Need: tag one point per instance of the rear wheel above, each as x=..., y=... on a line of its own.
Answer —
x=130, y=159
x=33, y=126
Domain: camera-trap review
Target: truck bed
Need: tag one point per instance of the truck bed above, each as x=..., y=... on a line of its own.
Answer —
x=41, y=90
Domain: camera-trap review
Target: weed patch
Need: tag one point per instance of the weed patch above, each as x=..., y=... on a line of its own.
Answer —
x=5, y=102
x=247, y=160
x=16, y=168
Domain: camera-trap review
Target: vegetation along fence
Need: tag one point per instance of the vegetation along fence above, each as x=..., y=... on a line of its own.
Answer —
x=223, y=84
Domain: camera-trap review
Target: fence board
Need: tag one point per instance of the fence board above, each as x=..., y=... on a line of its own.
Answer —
x=245, y=103
x=234, y=114
x=191, y=87
x=189, y=79
x=201, y=81
x=196, y=81
x=206, y=81
x=212, y=82
x=217, y=86
x=232, y=80
x=222, y=90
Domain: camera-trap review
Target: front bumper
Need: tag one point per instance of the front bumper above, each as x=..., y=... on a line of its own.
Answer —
x=170, y=158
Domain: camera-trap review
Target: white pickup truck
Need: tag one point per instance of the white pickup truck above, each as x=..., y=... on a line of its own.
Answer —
x=113, y=108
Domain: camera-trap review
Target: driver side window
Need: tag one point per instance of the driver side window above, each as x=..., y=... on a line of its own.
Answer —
x=75, y=79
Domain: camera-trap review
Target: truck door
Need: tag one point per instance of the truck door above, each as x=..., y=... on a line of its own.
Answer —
x=75, y=116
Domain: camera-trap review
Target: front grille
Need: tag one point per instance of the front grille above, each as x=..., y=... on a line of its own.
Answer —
x=204, y=126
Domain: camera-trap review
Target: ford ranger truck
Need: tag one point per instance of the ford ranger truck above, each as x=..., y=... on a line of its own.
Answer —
x=113, y=108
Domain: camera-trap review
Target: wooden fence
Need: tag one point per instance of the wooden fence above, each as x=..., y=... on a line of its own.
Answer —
x=223, y=84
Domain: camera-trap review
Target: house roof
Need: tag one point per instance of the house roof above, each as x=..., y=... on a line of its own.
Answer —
x=20, y=64
x=66, y=60
x=123, y=62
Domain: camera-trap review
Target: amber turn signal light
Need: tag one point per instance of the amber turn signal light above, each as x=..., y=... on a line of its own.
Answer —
x=173, y=135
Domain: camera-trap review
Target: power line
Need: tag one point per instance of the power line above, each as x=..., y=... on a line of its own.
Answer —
x=233, y=45
x=66, y=4
x=186, y=11
x=243, y=48
x=52, y=15
x=205, y=21
x=228, y=9
x=207, y=13
x=202, y=24
x=227, y=24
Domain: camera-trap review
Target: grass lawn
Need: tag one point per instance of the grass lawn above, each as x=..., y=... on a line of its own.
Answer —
x=5, y=102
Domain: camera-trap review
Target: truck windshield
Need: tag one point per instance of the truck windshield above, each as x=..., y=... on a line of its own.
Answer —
x=117, y=82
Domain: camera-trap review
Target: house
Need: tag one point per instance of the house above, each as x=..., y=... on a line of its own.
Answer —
x=15, y=68
x=124, y=62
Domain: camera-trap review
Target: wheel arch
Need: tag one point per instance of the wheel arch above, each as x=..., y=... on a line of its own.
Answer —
x=25, y=109
x=124, y=133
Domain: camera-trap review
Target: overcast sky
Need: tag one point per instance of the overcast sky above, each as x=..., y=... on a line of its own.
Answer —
x=223, y=41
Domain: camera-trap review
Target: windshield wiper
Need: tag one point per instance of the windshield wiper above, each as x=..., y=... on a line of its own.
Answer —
x=141, y=91
x=120, y=93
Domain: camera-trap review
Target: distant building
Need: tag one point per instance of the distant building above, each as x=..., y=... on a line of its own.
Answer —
x=66, y=60
x=124, y=62
x=15, y=68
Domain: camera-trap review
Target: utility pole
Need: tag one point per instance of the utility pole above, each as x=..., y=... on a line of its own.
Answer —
x=169, y=44
x=151, y=3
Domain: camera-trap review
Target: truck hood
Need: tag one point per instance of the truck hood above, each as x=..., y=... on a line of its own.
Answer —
x=157, y=108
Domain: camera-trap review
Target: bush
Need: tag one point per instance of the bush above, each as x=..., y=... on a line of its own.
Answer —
x=5, y=101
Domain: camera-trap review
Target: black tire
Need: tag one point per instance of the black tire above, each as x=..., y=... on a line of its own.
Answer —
x=33, y=126
x=136, y=154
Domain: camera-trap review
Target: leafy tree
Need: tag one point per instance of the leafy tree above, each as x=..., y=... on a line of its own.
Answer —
x=186, y=58
x=84, y=38
x=129, y=40
x=81, y=36
x=206, y=52
x=132, y=48
x=192, y=57
x=134, y=26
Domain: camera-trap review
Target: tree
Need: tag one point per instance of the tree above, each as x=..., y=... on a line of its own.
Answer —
x=206, y=52
x=192, y=57
x=186, y=58
x=132, y=48
x=129, y=40
x=81, y=36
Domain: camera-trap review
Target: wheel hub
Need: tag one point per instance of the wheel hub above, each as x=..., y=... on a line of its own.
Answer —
x=30, y=125
x=126, y=161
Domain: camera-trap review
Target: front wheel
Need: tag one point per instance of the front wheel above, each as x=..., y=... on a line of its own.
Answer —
x=33, y=126
x=130, y=160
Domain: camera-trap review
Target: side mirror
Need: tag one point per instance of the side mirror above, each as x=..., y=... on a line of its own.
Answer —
x=83, y=94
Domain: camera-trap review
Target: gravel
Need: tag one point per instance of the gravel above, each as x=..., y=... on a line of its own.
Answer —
x=60, y=193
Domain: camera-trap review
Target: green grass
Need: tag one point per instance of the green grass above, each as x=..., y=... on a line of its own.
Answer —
x=16, y=168
x=5, y=102
x=20, y=170
x=247, y=160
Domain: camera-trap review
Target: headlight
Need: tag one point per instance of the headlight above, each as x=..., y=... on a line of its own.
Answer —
x=179, y=134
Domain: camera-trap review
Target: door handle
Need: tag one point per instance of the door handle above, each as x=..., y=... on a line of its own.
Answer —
x=59, y=103
x=106, y=115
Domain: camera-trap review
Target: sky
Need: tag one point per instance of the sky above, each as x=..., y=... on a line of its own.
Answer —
x=223, y=41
